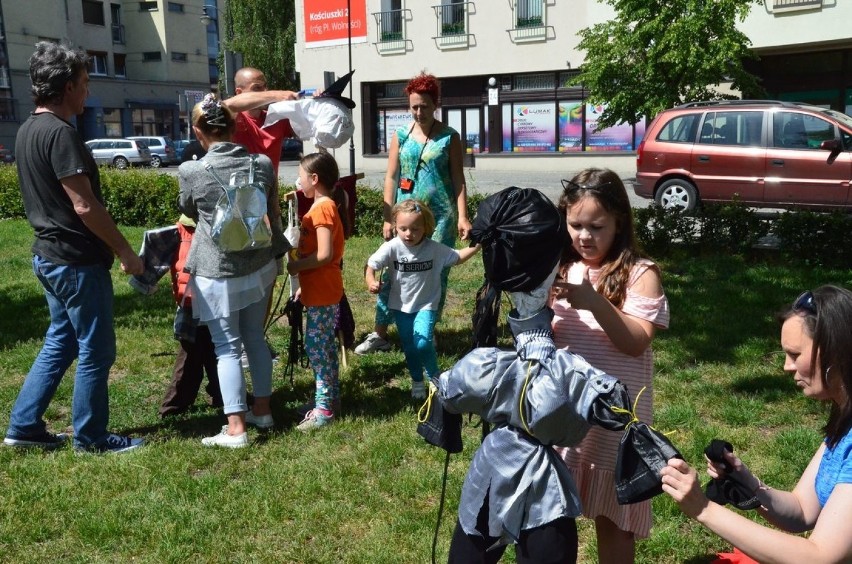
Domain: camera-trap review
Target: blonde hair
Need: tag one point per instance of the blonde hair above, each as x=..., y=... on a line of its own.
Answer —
x=419, y=208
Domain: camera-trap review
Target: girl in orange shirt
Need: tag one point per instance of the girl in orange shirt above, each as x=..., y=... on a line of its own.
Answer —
x=320, y=281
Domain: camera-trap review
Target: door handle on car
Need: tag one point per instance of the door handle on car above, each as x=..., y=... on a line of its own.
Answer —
x=704, y=158
x=778, y=162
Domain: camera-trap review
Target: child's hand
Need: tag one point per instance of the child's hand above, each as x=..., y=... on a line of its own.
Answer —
x=374, y=287
x=578, y=292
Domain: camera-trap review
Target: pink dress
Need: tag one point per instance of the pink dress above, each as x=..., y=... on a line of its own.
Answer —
x=592, y=462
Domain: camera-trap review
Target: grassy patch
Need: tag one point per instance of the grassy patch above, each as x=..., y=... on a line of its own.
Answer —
x=367, y=488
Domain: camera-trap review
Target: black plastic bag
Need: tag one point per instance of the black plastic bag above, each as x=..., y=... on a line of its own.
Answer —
x=727, y=489
x=642, y=454
x=511, y=225
x=438, y=426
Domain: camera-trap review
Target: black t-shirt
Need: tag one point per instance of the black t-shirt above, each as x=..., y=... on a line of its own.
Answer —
x=48, y=148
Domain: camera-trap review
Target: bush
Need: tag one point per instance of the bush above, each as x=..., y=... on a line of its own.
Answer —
x=731, y=227
x=369, y=217
x=815, y=238
x=11, y=202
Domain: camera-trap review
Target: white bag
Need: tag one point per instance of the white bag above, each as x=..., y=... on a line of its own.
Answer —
x=292, y=235
x=327, y=122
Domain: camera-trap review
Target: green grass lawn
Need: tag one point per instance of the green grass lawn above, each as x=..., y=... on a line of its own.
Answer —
x=367, y=488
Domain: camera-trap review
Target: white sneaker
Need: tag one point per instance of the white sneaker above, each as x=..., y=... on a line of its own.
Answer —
x=418, y=390
x=259, y=421
x=373, y=343
x=223, y=439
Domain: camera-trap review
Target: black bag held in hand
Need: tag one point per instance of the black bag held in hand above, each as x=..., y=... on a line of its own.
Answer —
x=642, y=454
x=727, y=489
x=438, y=426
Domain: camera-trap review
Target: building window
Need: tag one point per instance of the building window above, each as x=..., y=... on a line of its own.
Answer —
x=119, y=61
x=148, y=7
x=792, y=5
x=178, y=57
x=149, y=56
x=452, y=24
x=112, y=122
x=540, y=81
x=176, y=7
x=390, y=27
x=97, y=63
x=117, y=28
x=93, y=12
x=530, y=20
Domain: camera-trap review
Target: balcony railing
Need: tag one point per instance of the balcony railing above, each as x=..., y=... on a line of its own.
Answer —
x=8, y=109
x=4, y=78
x=530, y=21
x=792, y=5
x=118, y=34
x=453, y=24
x=390, y=29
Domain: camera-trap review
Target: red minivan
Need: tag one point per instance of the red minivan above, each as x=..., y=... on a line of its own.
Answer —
x=762, y=153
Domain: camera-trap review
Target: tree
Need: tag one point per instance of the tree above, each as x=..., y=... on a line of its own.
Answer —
x=264, y=31
x=657, y=54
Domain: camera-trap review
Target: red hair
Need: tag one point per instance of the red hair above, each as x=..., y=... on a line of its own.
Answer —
x=424, y=84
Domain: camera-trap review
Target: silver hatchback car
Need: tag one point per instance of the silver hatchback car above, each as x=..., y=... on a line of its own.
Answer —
x=120, y=153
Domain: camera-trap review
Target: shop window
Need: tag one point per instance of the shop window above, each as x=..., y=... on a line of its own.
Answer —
x=112, y=122
x=93, y=12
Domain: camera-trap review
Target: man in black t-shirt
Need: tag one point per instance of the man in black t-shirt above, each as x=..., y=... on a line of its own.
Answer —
x=75, y=241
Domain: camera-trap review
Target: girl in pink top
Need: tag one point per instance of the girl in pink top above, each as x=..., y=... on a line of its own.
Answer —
x=608, y=301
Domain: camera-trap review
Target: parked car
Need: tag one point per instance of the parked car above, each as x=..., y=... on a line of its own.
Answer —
x=761, y=153
x=291, y=149
x=162, y=149
x=119, y=153
x=6, y=155
x=180, y=145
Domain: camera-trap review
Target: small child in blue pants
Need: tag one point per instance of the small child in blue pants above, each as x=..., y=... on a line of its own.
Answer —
x=415, y=262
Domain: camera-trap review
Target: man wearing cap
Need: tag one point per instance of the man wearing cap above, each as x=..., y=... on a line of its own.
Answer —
x=249, y=105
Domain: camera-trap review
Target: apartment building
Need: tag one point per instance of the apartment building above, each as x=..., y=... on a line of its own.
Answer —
x=505, y=68
x=149, y=60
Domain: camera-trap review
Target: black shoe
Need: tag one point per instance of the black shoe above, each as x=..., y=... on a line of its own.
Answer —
x=45, y=440
x=113, y=444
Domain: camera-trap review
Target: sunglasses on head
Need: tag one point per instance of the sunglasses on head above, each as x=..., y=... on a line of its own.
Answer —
x=805, y=302
x=571, y=185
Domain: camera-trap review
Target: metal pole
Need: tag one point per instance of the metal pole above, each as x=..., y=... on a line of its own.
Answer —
x=349, y=30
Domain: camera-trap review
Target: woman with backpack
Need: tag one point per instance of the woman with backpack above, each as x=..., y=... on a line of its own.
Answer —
x=230, y=288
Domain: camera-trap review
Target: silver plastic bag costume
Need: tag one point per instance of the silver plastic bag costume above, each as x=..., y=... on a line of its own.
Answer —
x=240, y=221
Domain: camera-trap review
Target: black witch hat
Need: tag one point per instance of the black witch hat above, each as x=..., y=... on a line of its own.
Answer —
x=336, y=90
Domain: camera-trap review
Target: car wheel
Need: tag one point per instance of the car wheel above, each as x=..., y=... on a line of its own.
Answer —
x=120, y=162
x=677, y=194
x=156, y=162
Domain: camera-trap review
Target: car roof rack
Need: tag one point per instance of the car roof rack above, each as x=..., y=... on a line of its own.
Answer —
x=782, y=103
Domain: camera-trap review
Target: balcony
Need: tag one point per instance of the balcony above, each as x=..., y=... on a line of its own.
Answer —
x=795, y=5
x=530, y=21
x=8, y=109
x=390, y=30
x=453, y=25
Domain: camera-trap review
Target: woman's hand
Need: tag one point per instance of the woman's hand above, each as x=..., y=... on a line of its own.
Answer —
x=374, y=287
x=680, y=481
x=738, y=471
x=387, y=231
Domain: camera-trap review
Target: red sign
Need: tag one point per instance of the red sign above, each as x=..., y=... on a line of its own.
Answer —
x=327, y=22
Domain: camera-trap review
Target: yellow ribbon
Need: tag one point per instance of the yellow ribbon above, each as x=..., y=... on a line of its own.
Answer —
x=632, y=414
x=523, y=395
x=426, y=408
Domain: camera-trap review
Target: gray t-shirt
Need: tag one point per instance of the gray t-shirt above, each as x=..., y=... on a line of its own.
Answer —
x=415, y=272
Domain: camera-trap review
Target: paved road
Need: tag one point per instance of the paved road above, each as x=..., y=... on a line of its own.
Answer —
x=478, y=181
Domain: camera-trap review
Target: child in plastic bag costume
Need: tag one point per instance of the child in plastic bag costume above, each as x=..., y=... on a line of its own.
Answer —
x=517, y=490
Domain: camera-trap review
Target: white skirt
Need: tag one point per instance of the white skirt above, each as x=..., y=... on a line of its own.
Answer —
x=215, y=298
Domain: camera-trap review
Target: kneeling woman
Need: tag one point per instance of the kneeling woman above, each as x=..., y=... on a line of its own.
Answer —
x=230, y=289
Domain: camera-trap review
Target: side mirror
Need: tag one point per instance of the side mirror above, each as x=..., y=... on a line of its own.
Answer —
x=832, y=145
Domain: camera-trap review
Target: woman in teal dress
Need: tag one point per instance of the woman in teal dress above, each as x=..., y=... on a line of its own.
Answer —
x=424, y=162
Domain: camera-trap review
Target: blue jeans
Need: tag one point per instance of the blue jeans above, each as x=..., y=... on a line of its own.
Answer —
x=242, y=328
x=80, y=302
x=415, y=332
